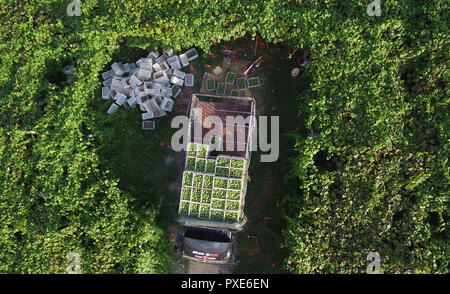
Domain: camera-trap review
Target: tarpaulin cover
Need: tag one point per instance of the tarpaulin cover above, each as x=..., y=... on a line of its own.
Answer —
x=204, y=246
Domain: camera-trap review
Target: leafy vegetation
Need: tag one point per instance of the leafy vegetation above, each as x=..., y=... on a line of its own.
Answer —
x=371, y=173
x=253, y=82
x=235, y=184
x=234, y=93
x=217, y=214
x=237, y=163
x=220, y=183
x=186, y=193
x=198, y=180
x=210, y=166
x=202, y=152
x=206, y=196
x=236, y=173
x=190, y=163
x=374, y=169
x=192, y=150
x=241, y=84
x=222, y=172
x=195, y=209
x=218, y=204
x=200, y=165
x=202, y=185
x=232, y=205
x=187, y=179
x=196, y=195
x=221, y=87
x=204, y=211
x=223, y=161
x=184, y=207
x=230, y=78
x=231, y=216
x=221, y=194
x=211, y=84
x=234, y=195
x=208, y=182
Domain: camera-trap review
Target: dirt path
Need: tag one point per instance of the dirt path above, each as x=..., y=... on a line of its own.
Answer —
x=257, y=246
x=181, y=266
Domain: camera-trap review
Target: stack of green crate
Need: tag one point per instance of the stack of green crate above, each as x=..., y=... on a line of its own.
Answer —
x=212, y=188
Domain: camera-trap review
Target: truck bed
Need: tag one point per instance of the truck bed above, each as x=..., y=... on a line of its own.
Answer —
x=222, y=211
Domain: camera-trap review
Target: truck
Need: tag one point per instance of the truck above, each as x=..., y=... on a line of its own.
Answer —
x=214, y=177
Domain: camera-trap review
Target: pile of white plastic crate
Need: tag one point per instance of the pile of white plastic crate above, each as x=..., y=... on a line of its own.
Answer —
x=150, y=84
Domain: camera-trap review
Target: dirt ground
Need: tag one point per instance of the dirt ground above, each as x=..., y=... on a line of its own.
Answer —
x=259, y=244
x=181, y=266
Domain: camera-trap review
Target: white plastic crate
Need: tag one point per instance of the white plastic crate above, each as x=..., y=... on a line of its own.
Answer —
x=132, y=68
x=189, y=80
x=116, y=85
x=131, y=101
x=175, y=65
x=147, y=115
x=126, y=67
x=125, y=83
x=112, y=93
x=112, y=109
x=164, y=66
x=151, y=82
x=176, y=81
x=148, y=125
x=178, y=73
x=117, y=68
x=162, y=58
x=165, y=85
x=158, y=99
x=107, y=75
x=175, y=91
x=167, y=104
x=143, y=74
x=105, y=93
x=134, y=81
x=174, y=62
x=120, y=98
x=148, y=88
x=254, y=80
x=153, y=55
x=191, y=54
x=168, y=52
x=107, y=82
x=184, y=60
x=160, y=77
x=160, y=113
x=147, y=65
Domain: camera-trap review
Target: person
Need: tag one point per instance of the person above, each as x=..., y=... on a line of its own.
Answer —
x=305, y=62
x=253, y=68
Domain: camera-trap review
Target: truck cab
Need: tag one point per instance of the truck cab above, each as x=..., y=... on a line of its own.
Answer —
x=207, y=245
